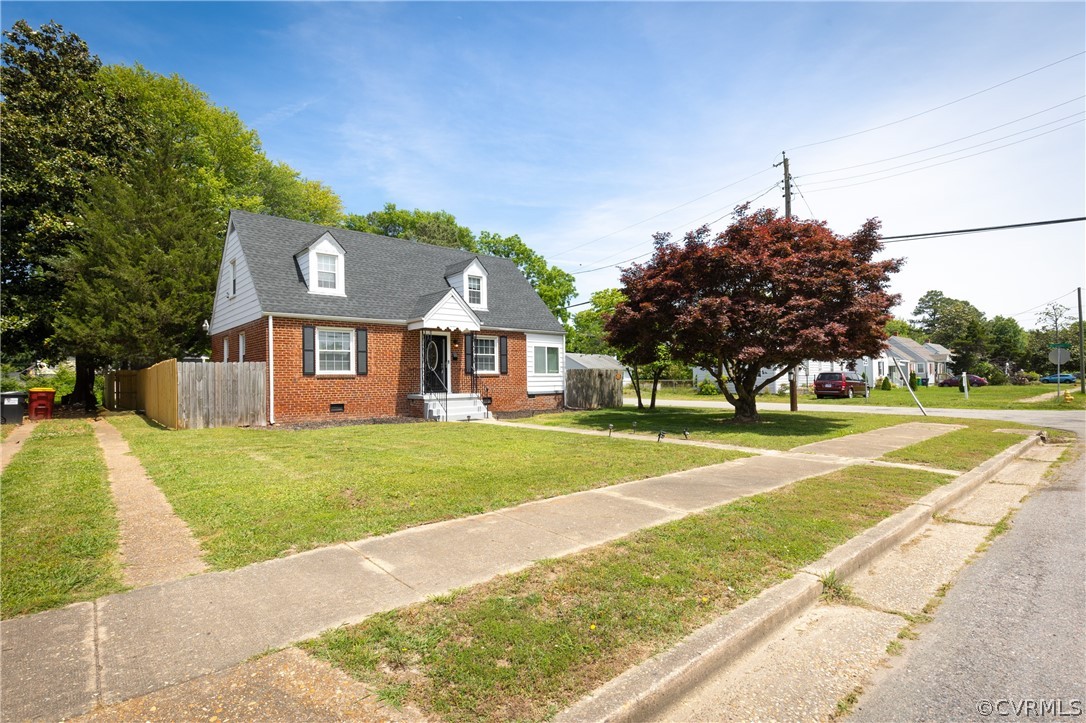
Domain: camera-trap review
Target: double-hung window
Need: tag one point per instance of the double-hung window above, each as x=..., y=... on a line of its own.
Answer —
x=326, y=271
x=486, y=354
x=334, y=351
x=546, y=360
x=475, y=289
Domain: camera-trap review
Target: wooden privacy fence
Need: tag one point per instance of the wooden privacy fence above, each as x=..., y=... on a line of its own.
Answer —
x=593, y=388
x=193, y=395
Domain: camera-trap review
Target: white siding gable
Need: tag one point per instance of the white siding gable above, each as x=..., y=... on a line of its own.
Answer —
x=459, y=281
x=235, y=298
x=310, y=266
x=450, y=312
x=543, y=381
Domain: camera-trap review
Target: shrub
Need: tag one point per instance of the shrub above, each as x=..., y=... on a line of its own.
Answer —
x=998, y=378
x=912, y=381
x=708, y=388
x=886, y=385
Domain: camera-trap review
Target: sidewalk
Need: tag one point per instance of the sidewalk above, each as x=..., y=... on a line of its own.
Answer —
x=65, y=662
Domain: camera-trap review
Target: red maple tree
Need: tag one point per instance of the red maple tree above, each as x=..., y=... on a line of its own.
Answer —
x=767, y=293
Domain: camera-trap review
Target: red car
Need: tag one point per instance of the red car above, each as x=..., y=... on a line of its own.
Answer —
x=974, y=381
x=840, y=384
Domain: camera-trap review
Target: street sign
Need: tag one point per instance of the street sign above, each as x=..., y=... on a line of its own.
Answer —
x=1061, y=345
x=1059, y=356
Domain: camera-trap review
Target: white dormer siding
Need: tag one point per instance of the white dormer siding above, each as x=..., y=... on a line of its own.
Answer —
x=235, y=295
x=322, y=265
x=471, y=284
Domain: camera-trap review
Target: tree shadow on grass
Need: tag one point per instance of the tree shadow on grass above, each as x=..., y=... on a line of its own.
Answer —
x=715, y=424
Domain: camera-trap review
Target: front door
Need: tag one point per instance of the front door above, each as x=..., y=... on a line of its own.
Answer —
x=435, y=363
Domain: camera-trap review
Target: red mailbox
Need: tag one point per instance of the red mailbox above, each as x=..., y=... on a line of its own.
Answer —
x=40, y=404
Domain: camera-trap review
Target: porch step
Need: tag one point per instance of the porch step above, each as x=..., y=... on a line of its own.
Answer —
x=459, y=408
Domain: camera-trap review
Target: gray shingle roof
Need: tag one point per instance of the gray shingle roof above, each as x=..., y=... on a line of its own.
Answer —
x=910, y=348
x=385, y=278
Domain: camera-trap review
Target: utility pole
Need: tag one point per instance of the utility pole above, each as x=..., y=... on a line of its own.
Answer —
x=1081, y=358
x=793, y=391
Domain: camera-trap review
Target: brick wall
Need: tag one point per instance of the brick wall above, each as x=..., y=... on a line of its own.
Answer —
x=256, y=342
x=394, y=370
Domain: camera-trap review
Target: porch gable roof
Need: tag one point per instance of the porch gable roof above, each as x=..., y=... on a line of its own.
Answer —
x=444, y=310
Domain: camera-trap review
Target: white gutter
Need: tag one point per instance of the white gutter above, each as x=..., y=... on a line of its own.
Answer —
x=271, y=371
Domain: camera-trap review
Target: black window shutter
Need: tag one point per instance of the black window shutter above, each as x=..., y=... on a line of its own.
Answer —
x=363, y=351
x=503, y=354
x=309, y=350
x=469, y=352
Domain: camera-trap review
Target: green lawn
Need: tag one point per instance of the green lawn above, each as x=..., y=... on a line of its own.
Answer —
x=59, y=532
x=962, y=449
x=990, y=397
x=527, y=645
x=254, y=494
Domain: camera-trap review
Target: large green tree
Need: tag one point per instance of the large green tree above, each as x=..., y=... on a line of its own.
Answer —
x=438, y=228
x=1006, y=342
x=136, y=290
x=61, y=128
x=588, y=335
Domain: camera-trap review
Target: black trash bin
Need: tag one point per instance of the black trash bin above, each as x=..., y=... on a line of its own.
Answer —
x=12, y=407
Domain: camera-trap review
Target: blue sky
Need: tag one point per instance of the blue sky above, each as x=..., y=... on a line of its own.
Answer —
x=586, y=127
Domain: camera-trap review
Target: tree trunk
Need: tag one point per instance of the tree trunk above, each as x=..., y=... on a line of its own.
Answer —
x=635, y=377
x=655, y=382
x=746, y=407
x=83, y=393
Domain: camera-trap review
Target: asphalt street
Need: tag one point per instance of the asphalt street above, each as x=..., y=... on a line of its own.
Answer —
x=1073, y=421
x=1009, y=640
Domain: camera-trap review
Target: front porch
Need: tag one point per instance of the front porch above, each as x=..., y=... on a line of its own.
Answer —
x=448, y=381
x=462, y=407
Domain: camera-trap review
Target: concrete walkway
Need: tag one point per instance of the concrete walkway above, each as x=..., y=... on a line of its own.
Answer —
x=64, y=662
x=14, y=442
x=155, y=546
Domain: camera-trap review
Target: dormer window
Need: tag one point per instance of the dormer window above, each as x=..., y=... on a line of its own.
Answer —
x=326, y=271
x=475, y=290
x=321, y=265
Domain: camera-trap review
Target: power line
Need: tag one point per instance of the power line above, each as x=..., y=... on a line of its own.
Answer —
x=658, y=215
x=685, y=225
x=956, y=140
x=939, y=107
x=948, y=153
x=943, y=163
x=1028, y=311
x=803, y=197
x=961, y=231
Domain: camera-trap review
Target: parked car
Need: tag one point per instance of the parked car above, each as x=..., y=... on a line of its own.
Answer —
x=840, y=384
x=974, y=381
x=1059, y=378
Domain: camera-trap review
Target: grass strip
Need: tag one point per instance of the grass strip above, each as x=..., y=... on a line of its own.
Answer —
x=59, y=534
x=252, y=495
x=527, y=645
x=962, y=449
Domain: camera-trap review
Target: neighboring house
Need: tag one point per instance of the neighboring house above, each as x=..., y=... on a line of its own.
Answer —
x=355, y=325
x=902, y=356
x=942, y=358
x=909, y=356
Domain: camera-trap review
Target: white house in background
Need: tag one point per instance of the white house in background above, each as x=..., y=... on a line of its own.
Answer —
x=902, y=356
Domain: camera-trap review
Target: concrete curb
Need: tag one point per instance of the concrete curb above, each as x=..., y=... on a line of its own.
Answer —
x=642, y=692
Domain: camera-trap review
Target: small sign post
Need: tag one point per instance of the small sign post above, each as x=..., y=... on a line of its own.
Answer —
x=1060, y=355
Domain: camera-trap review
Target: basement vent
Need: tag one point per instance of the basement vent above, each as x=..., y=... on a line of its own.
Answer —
x=335, y=408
